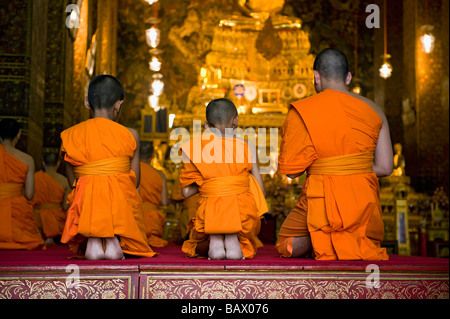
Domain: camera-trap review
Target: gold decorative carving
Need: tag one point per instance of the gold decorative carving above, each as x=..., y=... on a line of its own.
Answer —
x=117, y=287
x=271, y=287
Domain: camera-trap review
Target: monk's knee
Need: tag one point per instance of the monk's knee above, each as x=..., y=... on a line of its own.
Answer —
x=301, y=246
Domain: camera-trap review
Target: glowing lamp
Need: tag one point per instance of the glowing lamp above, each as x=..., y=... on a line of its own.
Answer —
x=386, y=67
x=152, y=36
x=155, y=64
x=427, y=39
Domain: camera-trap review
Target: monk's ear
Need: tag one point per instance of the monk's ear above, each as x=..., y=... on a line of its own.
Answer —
x=207, y=125
x=235, y=121
x=348, y=79
x=18, y=135
x=118, y=105
x=316, y=77
x=86, y=103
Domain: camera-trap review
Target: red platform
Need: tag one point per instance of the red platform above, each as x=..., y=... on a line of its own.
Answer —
x=49, y=274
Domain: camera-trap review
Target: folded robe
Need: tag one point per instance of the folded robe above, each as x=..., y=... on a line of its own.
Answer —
x=47, y=203
x=151, y=187
x=18, y=229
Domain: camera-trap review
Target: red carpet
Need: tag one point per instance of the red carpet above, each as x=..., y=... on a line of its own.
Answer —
x=44, y=274
x=172, y=255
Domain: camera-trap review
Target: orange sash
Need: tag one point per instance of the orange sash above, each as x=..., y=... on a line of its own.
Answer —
x=8, y=190
x=109, y=166
x=228, y=186
x=359, y=163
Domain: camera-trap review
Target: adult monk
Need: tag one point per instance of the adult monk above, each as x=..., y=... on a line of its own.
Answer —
x=50, y=198
x=18, y=229
x=153, y=189
x=103, y=165
x=225, y=172
x=342, y=141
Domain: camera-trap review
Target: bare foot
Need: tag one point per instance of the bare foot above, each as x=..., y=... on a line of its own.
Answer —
x=232, y=247
x=113, y=249
x=216, y=247
x=94, y=249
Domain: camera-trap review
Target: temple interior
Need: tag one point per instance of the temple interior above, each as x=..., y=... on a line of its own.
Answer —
x=174, y=56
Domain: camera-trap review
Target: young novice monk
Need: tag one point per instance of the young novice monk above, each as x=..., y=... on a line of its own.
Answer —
x=50, y=198
x=153, y=189
x=18, y=229
x=225, y=172
x=106, y=209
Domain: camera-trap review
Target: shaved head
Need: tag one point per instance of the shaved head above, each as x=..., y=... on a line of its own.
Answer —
x=146, y=149
x=332, y=64
x=51, y=159
x=220, y=112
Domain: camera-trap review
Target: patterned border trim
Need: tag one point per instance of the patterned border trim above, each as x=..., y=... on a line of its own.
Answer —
x=158, y=285
x=55, y=287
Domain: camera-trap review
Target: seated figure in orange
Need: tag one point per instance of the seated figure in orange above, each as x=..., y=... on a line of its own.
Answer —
x=153, y=190
x=341, y=140
x=50, y=199
x=225, y=172
x=18, y=229
x=104, y=219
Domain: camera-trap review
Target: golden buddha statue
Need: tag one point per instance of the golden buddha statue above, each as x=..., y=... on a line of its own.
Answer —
x=258, y=59
x=399, y=161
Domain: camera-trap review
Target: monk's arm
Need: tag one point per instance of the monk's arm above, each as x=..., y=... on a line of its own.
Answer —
x=29, y=179
x=383, y=162
x=69, y=174
x=164, y=193
x=189, y=190
x=257, y=175
x=135, y=160
x=67, y=190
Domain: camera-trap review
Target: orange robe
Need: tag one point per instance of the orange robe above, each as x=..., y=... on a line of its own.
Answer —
x=187, y=210
x=47, y=203
x=105, y=202
x=18, y=230
x=330, y=134
x=230, y=199
x=151, y=187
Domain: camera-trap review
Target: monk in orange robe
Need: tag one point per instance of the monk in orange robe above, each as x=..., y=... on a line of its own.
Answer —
x=153, y=189
x=105, y=206
x=50, y=198
x=225, y=172
x=187, y=211
x=342, y=141
x=18, y=229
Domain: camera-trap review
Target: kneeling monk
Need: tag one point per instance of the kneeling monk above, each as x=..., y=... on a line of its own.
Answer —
x=106, y=209
x=226, y=174
x=342, y=141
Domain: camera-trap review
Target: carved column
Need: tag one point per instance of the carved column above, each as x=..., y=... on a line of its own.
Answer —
x=22, y=69
x=107, y=13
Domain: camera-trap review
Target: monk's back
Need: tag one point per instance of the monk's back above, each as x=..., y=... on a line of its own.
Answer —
x=97, y=139
x=235, y=159
x=339, y=123
x=151, y=184
x=13, y=170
